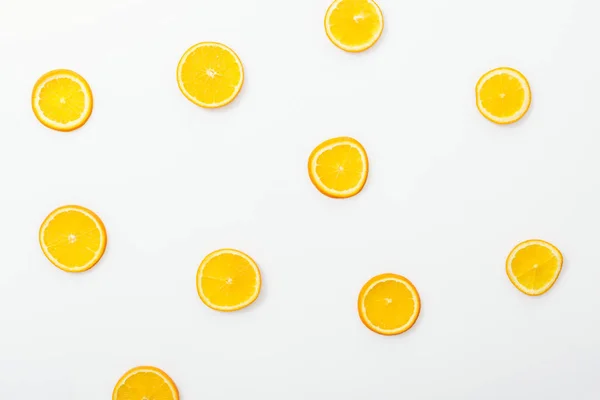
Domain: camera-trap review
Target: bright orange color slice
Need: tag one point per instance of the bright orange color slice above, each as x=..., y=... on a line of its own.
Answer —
x=389, y=304
x=353, y=25
x=339, y=167
x=210, y=74
x=62, y=100
x=503, y=95
x=228, y=280
x=73, y=238
x=533, y=266
x=145, y=383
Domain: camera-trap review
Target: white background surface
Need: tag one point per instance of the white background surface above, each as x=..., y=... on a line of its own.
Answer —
x=449, y=194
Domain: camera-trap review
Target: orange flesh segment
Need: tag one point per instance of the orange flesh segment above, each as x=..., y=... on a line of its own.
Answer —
x=73, y=238
x=211, y=74
x=355, y=23
x=340, y=168
x=535, y=266
x=228, y=280
x=62, y=100
x=502, y=95
x=389, y=305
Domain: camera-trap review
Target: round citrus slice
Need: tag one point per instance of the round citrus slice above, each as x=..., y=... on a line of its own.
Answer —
x=339, y=167
x=73, y=238
x=62, y=100
x=228, y=280
x=389, y=304
x=210, y=74
x=354, y=25
x=503, y=95
x=533, y=266
x=141, y=383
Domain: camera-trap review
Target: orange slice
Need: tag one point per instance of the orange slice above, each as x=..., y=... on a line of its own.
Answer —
x=145, y=383
x=503, y=95
x=73, y=238
x=228, y=280
x=210, y=74
x=353, y=25
x=389, y=304
x=533, y=266
x=62, y=100
x=339, y=167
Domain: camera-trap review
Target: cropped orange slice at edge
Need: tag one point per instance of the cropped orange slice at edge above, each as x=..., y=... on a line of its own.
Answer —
x=533, y=266
x=503, y=95
x=73, y=238
x=62, y=100
x=389, y=304
x=145, y=382
x=210, y=74
x=339, y=167
x=228, y=280
x=353, y=25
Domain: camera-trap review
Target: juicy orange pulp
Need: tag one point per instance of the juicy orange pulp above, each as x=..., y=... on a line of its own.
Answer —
x=389, y=304
x=534, y=266
x=73, y=238
x=354, y=25
x=339, y=167
x=210, y=74
x=62, y=100
x=228, y=280
x=145, y=383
